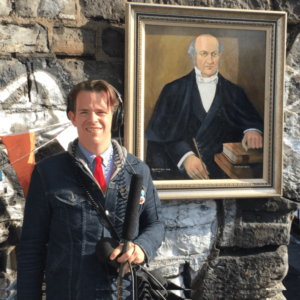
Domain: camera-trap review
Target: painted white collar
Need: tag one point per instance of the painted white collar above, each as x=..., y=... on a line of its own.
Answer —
x=201, y=79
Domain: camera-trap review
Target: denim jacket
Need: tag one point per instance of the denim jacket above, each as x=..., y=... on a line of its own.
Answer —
x=61, y=229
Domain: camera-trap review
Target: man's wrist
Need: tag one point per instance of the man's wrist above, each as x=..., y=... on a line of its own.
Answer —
x=179, y=165
x=146, y=258
x=252, y=129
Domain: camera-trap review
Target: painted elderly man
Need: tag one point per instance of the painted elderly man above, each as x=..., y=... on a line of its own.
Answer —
x=204, y=106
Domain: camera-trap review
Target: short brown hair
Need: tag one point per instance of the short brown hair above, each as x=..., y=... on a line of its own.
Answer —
x=96, y=86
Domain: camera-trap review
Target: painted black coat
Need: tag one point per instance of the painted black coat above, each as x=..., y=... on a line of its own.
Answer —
x=179, y=117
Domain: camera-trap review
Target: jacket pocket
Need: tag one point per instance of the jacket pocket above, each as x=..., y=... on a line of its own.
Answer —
x=71, y=208
x=69, y=197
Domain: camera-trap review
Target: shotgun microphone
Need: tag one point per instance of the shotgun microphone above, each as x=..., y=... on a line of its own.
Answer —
x=130, y=221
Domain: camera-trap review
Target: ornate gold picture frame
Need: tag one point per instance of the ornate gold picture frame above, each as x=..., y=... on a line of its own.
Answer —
x=166, y=115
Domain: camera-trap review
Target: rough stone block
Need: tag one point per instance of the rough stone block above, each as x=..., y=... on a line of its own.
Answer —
x=10, y=181
x=173, y=266
x=5, y=7
x=4, y=231
x=178, y=2
x=23, y=39
x=27, y=8
x=291, y=166
x=4, y=283
x=4, y=216
x=15, y=212
x=94, y=70
x=37, y=97
x=73, y=41
x=291, y=128
x=292, y=7
x=104, y=9
x=62, y=79
x=191, y=230
x=76, y=69
x=5, y=56
x=64, y=9
x=187, y=215
x=241, y=4
x=10, y=70
x=9, y=259
x=256, y=275
x=293, y=56
x=113, y=43
x=254, y=223
x=4, y=294
x=189, y=2
x=18, y=121
x=11, y=204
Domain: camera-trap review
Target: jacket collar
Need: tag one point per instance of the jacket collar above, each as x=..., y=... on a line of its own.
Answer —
x=119, y=157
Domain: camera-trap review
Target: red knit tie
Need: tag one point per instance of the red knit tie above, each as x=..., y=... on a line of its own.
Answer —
x=99, y=173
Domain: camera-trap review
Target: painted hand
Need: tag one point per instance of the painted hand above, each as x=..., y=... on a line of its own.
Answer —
x=195, y=168
x=252, y=139
x=134, y=255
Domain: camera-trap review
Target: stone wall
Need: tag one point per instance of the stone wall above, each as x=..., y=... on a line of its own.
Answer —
x=225, y=249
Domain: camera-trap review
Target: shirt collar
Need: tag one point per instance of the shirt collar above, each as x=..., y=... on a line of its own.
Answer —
x=198, y=73
x=107, y=154
x=90, y=156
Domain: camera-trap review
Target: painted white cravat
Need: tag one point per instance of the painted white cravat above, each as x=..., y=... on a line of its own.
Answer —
x=207, y=88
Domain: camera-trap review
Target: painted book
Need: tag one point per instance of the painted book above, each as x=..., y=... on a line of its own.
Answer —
x=236, y=154
x=238, y=171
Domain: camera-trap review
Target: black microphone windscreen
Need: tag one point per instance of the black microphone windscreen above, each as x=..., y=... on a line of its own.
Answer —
x=104, y=248
x=132, y=207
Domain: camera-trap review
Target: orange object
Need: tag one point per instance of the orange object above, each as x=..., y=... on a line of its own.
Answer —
x=18, y=145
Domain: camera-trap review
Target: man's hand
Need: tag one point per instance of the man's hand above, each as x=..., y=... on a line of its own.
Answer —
x=252, y=139
x=195, y=168
x=134, y=255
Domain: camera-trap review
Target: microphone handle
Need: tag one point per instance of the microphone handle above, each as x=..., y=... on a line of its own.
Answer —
x=122, y=271
x=122, y=266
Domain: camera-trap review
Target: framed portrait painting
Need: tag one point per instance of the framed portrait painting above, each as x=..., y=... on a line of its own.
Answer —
x=204, y=99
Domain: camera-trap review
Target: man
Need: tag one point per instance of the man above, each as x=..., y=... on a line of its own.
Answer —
x=204, y=106
x=61, y=228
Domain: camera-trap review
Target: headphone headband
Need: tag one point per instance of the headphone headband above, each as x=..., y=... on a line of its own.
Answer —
x=117, y=93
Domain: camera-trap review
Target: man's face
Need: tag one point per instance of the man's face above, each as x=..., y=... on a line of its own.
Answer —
x=93, y=119
x=208, y=56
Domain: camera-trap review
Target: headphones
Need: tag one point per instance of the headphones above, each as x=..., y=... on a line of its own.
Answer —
x=118, y=116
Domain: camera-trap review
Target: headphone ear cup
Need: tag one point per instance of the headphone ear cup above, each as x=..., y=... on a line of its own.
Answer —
x=116, y=118
x=120, y=117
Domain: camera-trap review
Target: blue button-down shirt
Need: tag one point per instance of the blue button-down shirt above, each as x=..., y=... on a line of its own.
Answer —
x=107, y=160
